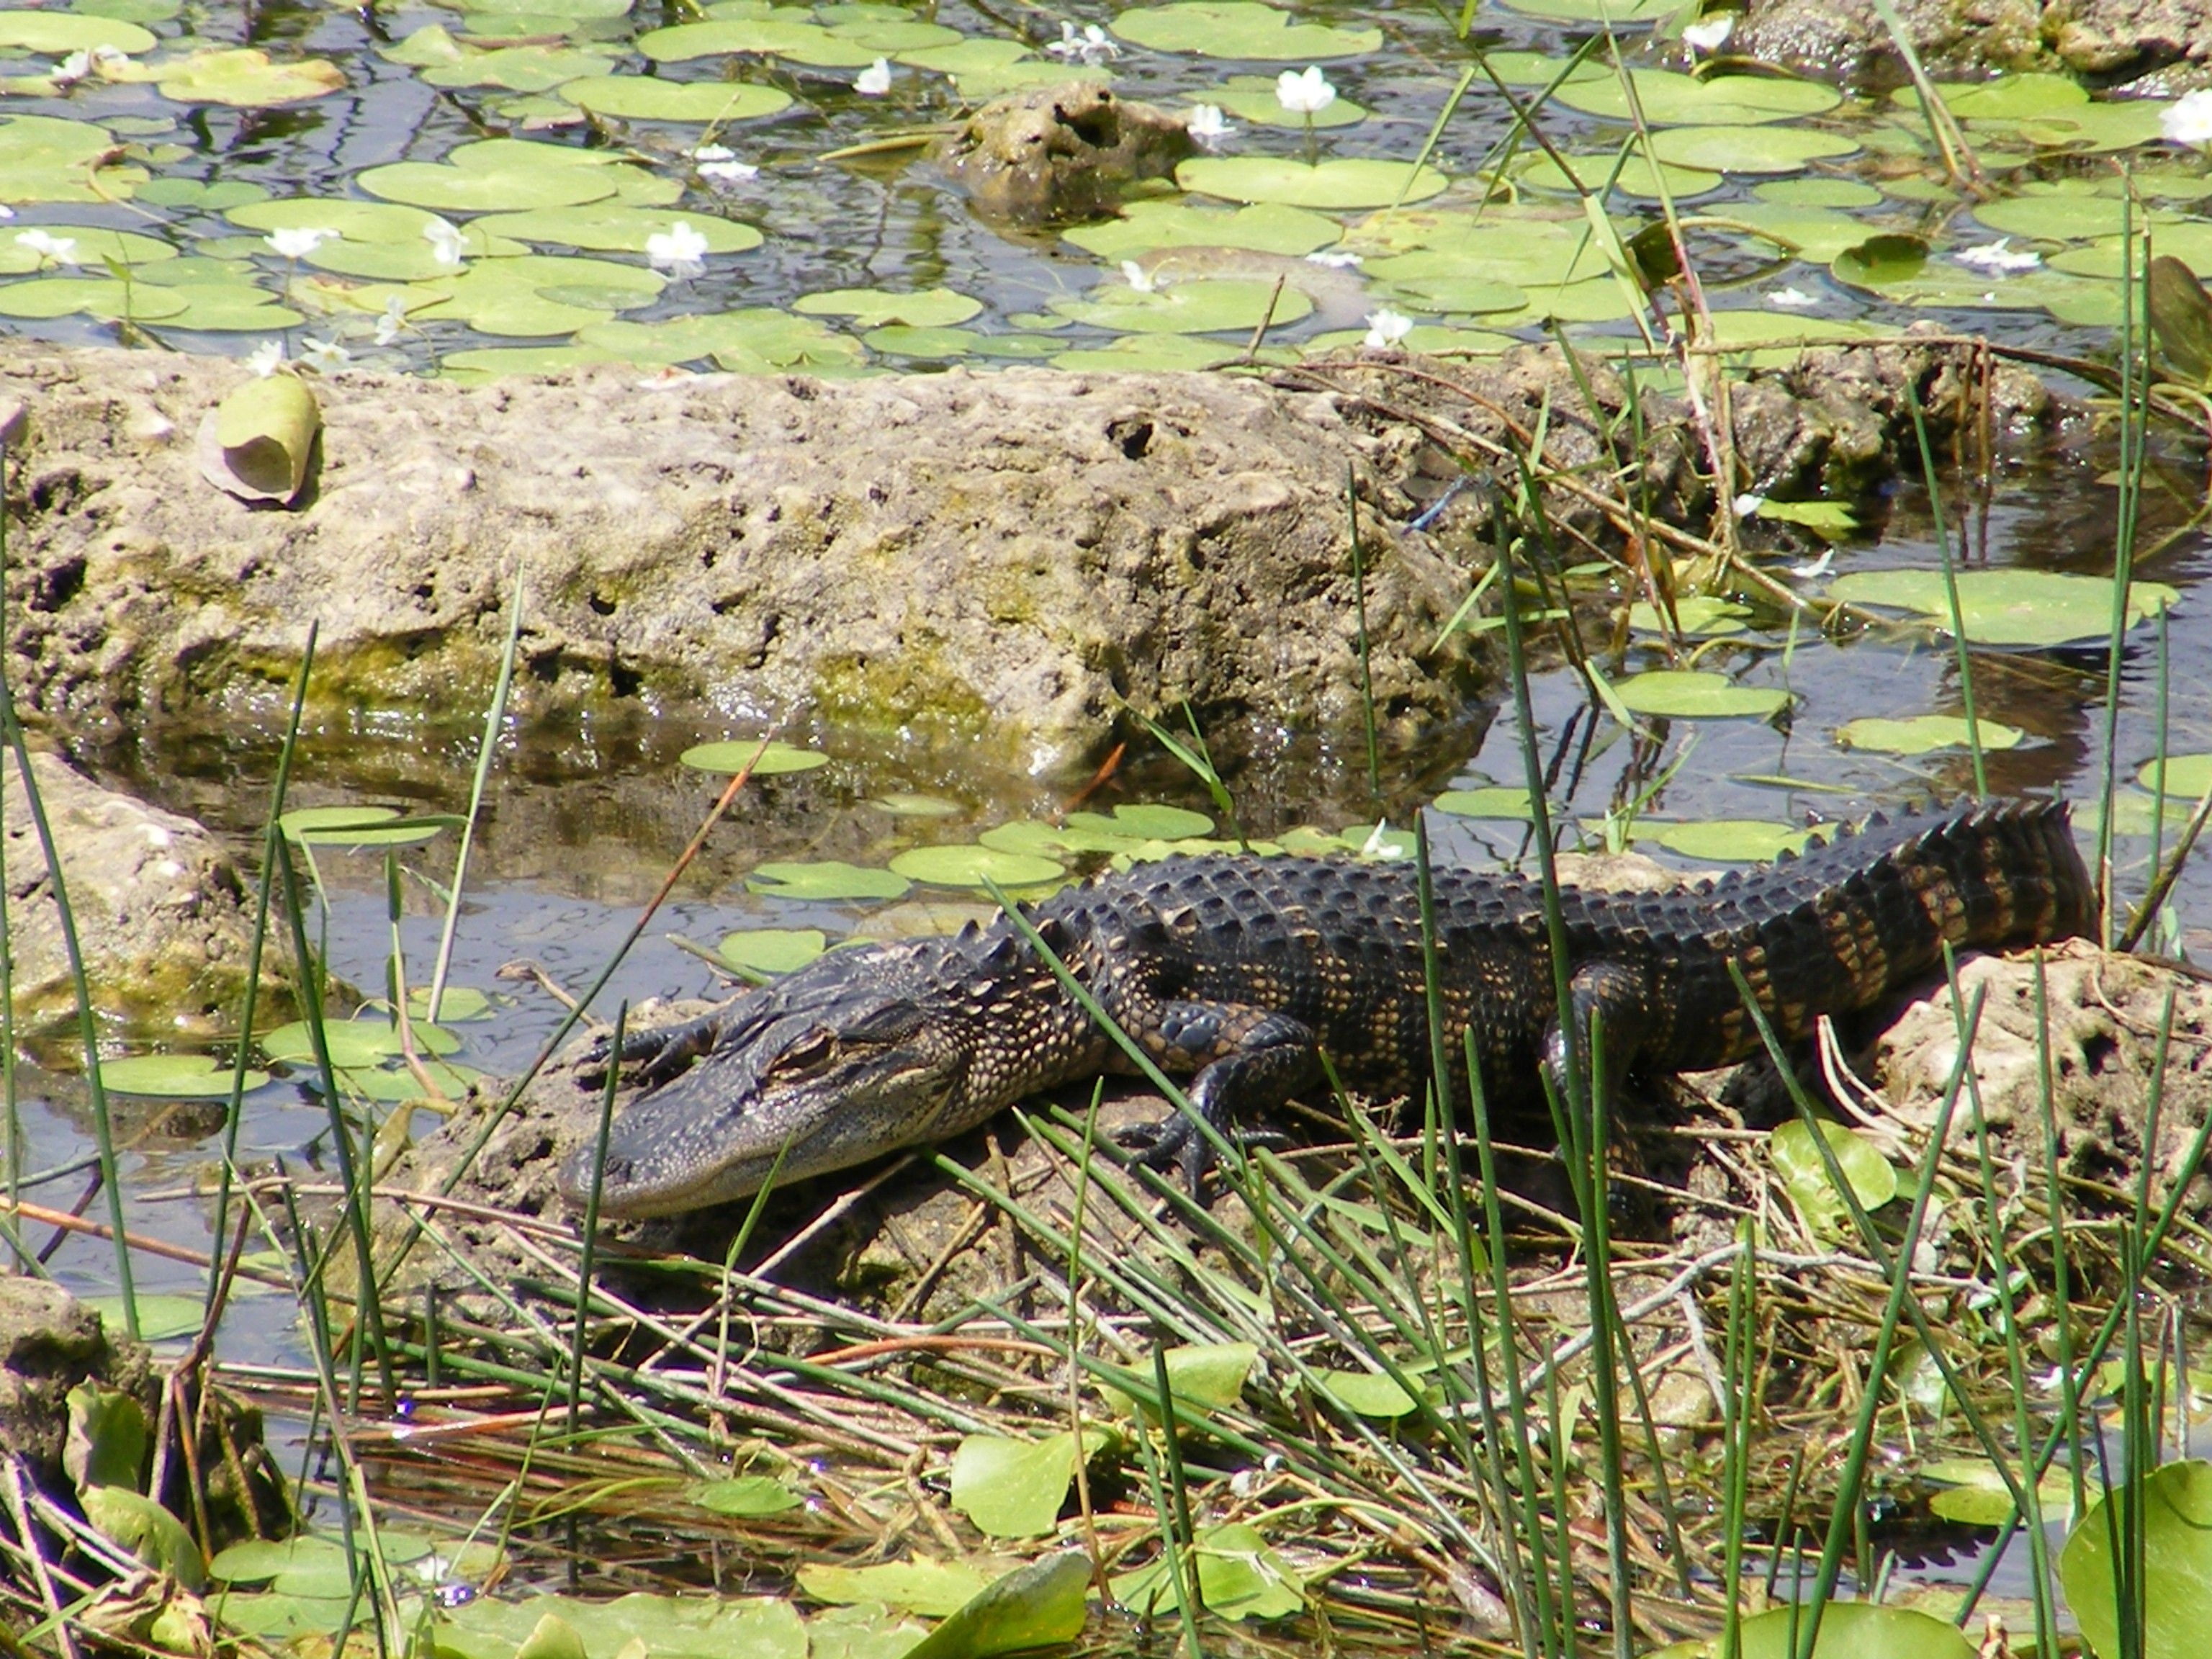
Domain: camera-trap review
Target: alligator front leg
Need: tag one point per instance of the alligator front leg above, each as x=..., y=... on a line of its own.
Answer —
x=1247, y=1061
x=667, y=1051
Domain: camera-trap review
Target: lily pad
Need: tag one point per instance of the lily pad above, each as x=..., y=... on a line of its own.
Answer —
x=1748, y=150
x=498, y=174
x=1849, y=1630
x=57, y=34
x=1334, y=185
x=935, y=1589
x=245, y=78
x=1726, y=840
x=789, y=35
x=1493, y=802
x=1367, y=1393
x=755, y=341
x=1015, y=1488
x=608, y=227
x=2032, y=608
x=1239, y=1576
x=1696, y=615
x=1696, y=694
x=763, y=953
x=1263, y=228
x=1669, y=98
x=2187, y=776
x=872, y=308
x=98, y=296
x=645, y=98
x=1148, y=821
x=827, y=878
x=975, y=866
x=1804, y=1173
x=2175, y=1582
x=1923, y=734
x=258, y=442
x=1598, y=11
x=173, y=1076
x=532, y=68
x=1634, y=175
x=48, y=158
x=355, y=1044
x=746, y=1495
x=538, y=293
x=1200, y=307
x=777, y=758
x=1242, y=29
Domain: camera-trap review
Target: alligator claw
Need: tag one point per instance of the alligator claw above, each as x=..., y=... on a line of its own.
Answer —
x=660, y=1052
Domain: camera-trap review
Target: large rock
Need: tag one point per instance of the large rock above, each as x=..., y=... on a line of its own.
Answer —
x=2165, y=44
x=164, y=918
x=49, y=1343
x=1006, y=558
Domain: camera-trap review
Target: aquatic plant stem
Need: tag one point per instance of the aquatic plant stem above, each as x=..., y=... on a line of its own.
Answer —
x=1960, y=655
x=1360, y=604
x=2134, y=421
x=494, y=719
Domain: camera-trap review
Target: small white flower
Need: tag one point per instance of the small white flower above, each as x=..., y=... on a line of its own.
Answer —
x=1747, y=506
x=61, y=250
x=1091, y=46
x=728, y=173
x=394, y=320
x=7, y=213
x=1792, y=298
x=324, y=357
x=265, y=358
x=1385, y=329
x=1710, y=33
x=1306, y=93
x=874, y=81
x=1207, y=124
x=1999, y=258
x=712, y=153
x=677, y=250
x=1813, y=569
x=447, y=242
x=296, y=242
x=1138, y=277
x=1336, y=259
x=72, y=68
x=106, y=57
x=2189, y=121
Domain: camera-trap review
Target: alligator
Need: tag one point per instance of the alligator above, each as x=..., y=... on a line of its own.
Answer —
x=1243, y=972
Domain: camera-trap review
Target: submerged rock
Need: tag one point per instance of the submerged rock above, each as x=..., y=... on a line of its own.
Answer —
x=1049, y=155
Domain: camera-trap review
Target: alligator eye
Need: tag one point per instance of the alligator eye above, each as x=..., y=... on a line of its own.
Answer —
x=810, y=1053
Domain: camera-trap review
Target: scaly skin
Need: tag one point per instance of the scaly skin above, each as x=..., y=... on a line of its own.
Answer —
x=1241, y=972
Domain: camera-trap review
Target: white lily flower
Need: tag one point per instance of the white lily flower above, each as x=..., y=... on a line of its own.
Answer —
x=1207, y=124
x=61, y=250
x=447, y=242
x=298, y=241
x=874, y=81
x=2000, y=258
x=324, y=357
x=1709, y=34
x=1305, y=93
x=2189, y=121
x=1385, y=329
x=266, y=358
x=393, y=322
x=679, y=250
x=1138, y=277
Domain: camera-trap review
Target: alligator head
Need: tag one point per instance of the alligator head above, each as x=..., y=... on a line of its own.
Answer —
x=847, y=1058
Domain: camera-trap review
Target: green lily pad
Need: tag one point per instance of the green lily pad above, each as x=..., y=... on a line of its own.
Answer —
x=537, y=294
x=1031, y=839
x=355, y=1044
x=1815, y=192
x=753, y=341
x=1849, y=1630
x=1148, y=821
x=552, y=1626
x=361, y=826
x=1696, y=615
x=2175, y=1582
x=1493, y=802
x=746, y=1495
x=204, y=196
x=1038, y=1606
x=1669, y=98
x=1633, y=176
x=532, y=68
x=872, y=308
x=1263, y=228
x=1923, y=734
x=1242, y=29
x=732, y=755
x=1200, y=307
x=2032, y=608
x=1141, y=354
x=394, y=1085
x=1367, y=1393
x=827, y=878
x=608, y=227
x=935, y=1589
x=1334, y=185
x=1748, y=150
x=96, y=296
x=973, y=866
x=245, y=78
x=904, y=804
x=1726, y=840
x=1976, y=1495
x=937, y=344
x=1209, y=1375
x=148, y=1531
x=2047, y=215
x=764, y=952
x=455, y=1002
x=57, y=34
x=90, y=246
x=1015, y=1488
x=1598, y=11
x=173, y=1076
x=1239, y=1576
x=498, y=174
x=1696, y=694
x=1804, y=1173
x=2187, y=776
x=1252, y=99
x=47, y=158
x=789, y=35
x=645, y=98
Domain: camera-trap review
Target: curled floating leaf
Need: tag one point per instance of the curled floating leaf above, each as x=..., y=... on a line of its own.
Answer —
x=258, y=442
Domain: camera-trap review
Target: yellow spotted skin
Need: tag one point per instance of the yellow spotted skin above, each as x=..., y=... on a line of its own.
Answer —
x=1240, y=973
